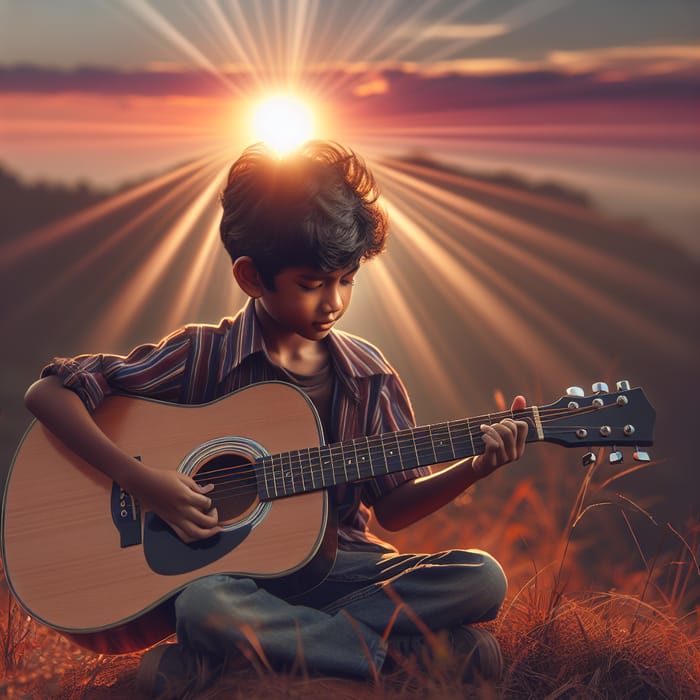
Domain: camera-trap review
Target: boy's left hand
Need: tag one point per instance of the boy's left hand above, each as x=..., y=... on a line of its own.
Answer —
x=504, y=442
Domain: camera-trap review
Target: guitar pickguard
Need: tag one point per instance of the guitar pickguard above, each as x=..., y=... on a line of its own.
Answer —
x=168, y=555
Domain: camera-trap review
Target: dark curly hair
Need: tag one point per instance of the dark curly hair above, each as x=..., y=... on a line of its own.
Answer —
x=316, y=207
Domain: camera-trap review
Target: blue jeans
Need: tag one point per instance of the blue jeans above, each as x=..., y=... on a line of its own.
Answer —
x=342, y=626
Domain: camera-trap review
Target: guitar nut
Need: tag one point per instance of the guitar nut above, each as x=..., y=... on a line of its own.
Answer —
x=581, y=433
x=628, y=430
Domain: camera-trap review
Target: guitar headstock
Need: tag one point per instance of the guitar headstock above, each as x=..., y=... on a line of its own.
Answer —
x=617, y=419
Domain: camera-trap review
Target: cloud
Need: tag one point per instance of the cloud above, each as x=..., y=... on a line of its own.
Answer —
x=481, y=66
x=375, y=86
x=554, y=74
x=638, y=60
x=455, y=31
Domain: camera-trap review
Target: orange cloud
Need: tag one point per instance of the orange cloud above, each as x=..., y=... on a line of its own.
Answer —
x=375, y=86
x=635, y=60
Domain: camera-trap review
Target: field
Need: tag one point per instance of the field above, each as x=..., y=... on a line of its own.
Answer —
x=592, y=610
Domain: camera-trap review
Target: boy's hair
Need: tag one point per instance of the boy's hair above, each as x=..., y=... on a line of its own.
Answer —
x=316, y=207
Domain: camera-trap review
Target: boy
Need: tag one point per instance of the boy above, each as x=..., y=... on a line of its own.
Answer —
x=297, y=230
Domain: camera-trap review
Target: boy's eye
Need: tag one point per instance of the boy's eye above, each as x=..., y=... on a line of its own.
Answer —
x=310, y=287
x=347, y=283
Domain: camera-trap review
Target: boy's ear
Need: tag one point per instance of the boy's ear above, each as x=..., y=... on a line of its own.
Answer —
x=248, y=277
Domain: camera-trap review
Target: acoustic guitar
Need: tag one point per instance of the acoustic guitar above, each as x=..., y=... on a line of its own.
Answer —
x=82, y=557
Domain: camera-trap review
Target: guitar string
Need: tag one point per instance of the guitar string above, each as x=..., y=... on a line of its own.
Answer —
x=407, y=436
x=305, y=466
x=405, y=441
x=304, y=470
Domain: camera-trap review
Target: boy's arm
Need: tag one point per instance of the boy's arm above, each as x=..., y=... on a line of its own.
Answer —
x=176, y=498
x=504, y=442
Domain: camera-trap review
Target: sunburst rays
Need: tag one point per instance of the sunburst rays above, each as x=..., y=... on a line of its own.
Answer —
x=483, y=282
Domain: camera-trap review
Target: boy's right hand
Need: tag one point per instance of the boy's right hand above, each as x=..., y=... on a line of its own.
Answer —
x=179, y=500
x=176, y=498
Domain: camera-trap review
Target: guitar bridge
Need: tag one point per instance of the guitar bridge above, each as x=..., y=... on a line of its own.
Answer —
x=126, y=516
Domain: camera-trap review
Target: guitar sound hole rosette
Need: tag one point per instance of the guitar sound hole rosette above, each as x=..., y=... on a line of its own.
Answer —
x=228, y=463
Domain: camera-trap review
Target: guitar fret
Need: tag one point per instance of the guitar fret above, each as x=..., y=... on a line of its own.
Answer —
x=371, y=463
x=363, y=458
x=292, y=473
x=324, y=460
x=407, y=449
x=336, y=456
x=263, y=466
x=376, y=454
x=392, y=452
x=423, y=445
x=274, y=474
x=297, y=476
x=461, y=438
x=312, y=467
x=414, y=446
x=302, y=466
x=471, y=436
x=345, y=461
x=432, y=444
x=289, y=474
x=352, y=461
x=286, y=473
x=443, y=447
x=449, y=437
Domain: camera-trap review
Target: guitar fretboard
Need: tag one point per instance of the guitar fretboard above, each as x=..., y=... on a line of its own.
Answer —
x=310, y=469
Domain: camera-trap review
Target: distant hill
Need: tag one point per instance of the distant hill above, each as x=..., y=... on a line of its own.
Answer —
x=30, y=205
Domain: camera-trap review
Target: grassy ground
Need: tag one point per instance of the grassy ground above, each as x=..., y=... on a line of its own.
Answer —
x=636, y=637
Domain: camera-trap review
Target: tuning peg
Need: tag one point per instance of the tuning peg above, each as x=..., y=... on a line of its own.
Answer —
x=623, y=385
x=575, y=391
x=641, y=456
x=600, y=388
x=615, y=457
x=588, y=459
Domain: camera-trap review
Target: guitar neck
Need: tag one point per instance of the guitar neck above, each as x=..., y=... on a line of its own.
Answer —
x=301, y=471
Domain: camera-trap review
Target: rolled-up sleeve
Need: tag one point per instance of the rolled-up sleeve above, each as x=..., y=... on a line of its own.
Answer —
x=156, y=371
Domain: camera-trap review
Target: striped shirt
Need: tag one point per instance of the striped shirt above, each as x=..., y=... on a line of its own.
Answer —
x=200, y=363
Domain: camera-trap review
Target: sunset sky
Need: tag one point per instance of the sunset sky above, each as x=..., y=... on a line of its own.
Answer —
x=539, y=161
x=600, y=95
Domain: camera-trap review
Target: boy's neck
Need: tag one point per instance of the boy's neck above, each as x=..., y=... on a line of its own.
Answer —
x=289, y=350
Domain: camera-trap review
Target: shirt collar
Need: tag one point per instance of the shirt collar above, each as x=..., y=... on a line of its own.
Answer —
x=353, y=358
x=243, y=338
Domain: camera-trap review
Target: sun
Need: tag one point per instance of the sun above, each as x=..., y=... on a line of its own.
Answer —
x=283, y=122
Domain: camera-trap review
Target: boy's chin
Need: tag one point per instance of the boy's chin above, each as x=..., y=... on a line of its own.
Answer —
x=318, y=332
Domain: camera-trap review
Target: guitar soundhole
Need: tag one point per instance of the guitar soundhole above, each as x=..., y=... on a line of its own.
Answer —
x=235, y=491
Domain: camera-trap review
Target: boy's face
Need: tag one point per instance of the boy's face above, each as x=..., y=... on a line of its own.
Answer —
x=307, y=301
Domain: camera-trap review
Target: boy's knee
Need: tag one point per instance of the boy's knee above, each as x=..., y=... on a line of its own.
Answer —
x=494, y=586
x=485, y=586
x=495, y=577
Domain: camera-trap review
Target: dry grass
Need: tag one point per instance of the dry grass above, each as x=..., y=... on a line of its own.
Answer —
x=639, y=638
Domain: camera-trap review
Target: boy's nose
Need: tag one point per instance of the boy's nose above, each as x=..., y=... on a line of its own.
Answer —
x=332, y=301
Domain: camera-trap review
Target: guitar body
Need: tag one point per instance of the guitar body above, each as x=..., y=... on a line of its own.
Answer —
x=82, y=558
x=64, y=555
